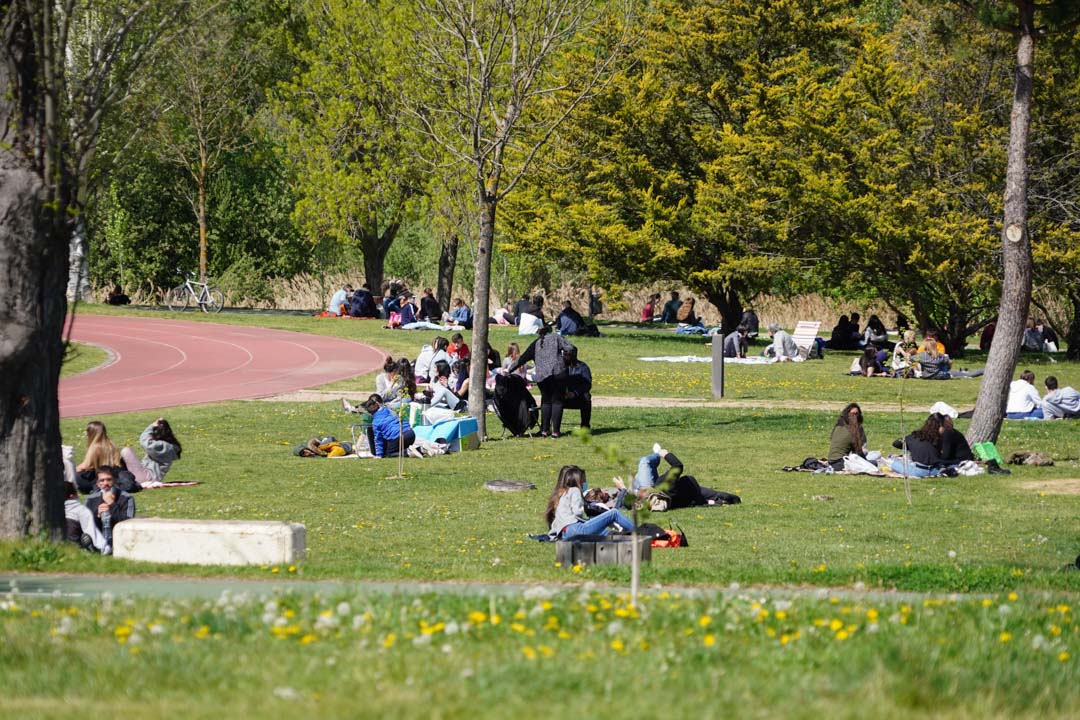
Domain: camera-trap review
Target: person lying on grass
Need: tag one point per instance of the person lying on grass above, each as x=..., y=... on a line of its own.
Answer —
x=565, y=514
x=388, y=434
x=682, y=490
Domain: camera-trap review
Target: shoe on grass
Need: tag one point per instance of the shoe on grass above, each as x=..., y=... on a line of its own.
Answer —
x=656, y=448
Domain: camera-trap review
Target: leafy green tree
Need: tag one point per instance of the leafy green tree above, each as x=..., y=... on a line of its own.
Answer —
x=488, y=83
x=344, y=134
x=1025, y=21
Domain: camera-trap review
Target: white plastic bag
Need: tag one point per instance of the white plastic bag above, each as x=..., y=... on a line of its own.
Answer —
x=856, y=464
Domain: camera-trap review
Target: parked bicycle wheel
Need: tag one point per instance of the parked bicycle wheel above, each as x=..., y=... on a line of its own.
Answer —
x=178, y=298
x=215, y=301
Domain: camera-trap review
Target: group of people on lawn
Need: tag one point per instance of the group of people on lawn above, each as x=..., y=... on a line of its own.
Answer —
x=109, y=476
x=439, y=380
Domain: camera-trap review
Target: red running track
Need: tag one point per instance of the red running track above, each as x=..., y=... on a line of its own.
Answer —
x=164, y=363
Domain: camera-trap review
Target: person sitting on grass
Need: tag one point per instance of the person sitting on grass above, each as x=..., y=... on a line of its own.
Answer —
x=109, y=506
x=162, y=450
x=954, y=446
x=687, y=314
x=100, y=451
x=648, y=313
x=935, y=365
x=565, y=514
x=389, y=434
x=362, y=303
x=578, y=387
x=569, y=321
x=847, y=436
x=923, y=456
x=430, y=309
x=1060, y=403
x=461, y=314
x=457, y=349
x=875, y=332
x=513, y=352
x=1024, y=401
x=682, y=490
x=670, y=313
x=735, y=343
x=783, y=346
x=872, y=362
x=81, y=528
x=339, y=302
x=904, y=352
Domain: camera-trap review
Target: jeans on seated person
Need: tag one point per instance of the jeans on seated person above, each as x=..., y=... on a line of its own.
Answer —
x=646, y=475
x=597, y=525
x=1037, y=413
x=906, y=467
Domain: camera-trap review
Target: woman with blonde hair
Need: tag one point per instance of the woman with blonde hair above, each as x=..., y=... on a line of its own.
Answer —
x=100, y=452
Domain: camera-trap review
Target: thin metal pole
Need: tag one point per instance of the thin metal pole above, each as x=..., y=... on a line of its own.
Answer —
x=718, y=366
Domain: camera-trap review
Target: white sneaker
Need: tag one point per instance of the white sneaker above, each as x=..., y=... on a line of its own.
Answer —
x=656, y=448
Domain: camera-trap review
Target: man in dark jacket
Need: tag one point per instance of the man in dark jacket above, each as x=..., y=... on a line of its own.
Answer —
x=109, y=505
x=363, y=304
x=569, y=321
x=578, y=387
x=671, y=309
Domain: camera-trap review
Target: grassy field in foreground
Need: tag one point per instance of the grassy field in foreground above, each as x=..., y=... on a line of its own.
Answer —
x=987, y=533
x=567, y=655
x=617, y=370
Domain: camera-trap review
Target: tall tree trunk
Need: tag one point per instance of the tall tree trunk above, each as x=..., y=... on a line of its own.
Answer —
x=447, y=263
x=1073, y=353
x=481, y=309
x=729, y=303
x=78, y=286
x=203, y=254
x=1016, y=250
x=375, y=246
x=33, y=276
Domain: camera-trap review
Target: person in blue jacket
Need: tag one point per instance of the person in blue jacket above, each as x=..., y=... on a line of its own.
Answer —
x=388, y=434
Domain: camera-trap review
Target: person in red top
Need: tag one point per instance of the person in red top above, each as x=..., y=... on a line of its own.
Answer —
x=649, y=311
x=458, y=349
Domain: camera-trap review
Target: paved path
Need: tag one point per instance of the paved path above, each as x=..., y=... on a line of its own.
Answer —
x=91, y=587
x=645, y=402
x=164, y=363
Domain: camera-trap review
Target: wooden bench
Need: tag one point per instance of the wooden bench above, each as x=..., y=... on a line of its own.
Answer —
x=209, y=542
x=616, y=550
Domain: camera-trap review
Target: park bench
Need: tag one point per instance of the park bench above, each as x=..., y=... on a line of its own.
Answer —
x=209, y=542
x=805, y=336
x=611, y=550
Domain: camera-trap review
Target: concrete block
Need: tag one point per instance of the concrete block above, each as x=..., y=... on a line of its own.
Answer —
x=617, y=550
x=209, y=542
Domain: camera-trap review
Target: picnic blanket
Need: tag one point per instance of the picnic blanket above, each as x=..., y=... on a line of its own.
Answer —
x=154, y=484
x=755, y=360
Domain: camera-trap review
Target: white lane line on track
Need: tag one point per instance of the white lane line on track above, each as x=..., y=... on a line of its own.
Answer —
x=183, y=358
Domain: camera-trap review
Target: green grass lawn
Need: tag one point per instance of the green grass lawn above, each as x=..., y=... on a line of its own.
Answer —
x=80, y=358
x=584, y=652
x=438, y=523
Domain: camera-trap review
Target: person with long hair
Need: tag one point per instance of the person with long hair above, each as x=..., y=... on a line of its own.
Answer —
x=100, y=452
x=162, y=450
x=565, y=514
x=548, y=352
x=847, y=436
x=513, y=352
x=922, y=456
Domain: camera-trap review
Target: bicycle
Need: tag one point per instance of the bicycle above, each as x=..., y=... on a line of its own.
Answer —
x=208, y=298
